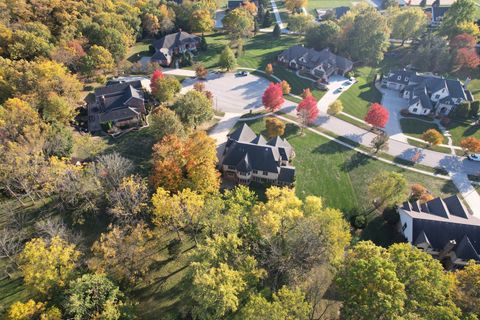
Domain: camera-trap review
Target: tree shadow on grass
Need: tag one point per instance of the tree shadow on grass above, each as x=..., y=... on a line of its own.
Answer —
x=291, y=130
x=357, y=160
x=330, y=147
x=381, y=233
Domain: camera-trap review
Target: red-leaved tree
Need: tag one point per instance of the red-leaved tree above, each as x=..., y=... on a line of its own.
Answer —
x=463, y=40
x=377, y=115
x=157, y=74
x=467, y=58
x=273, y=97
x=307, y=111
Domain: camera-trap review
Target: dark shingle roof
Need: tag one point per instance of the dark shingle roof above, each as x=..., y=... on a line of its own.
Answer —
x=455, y=89
x=261, y=158
x=315, y=58
x=421, y=239
x=438, y=12
x=173, y=40
x=243, y=134
x=340, y=11
x=287, y=175
x=466, y=251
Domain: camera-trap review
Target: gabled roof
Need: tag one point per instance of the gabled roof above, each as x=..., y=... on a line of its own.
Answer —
x=243, y=134
x=456, y=89
x=466, y=251
x=314, y=58
x=259, y=140
x=400, y=76
x=173, y=40
x=260, y=158
x=421, y=239
x=287, y=175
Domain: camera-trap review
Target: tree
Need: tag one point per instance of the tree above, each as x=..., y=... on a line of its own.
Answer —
x=98, y=58
x=467, y=58
x=18, y=121
x=366, y=39
x=202, y=21
x=460, y=12
x=474, y=108
x=276, y=31
x=269, y=69
x=292, y=5
x=275, y=127
x=111, y=169
x=300, y=22
x=203, y=43
x=470, y=144
x=193, y=108
x=227, y=59
x=157, y=74
x=93, y=296
x=462, y=110
x=386, y=4
x=407, y=23
x=59, y=141
x=28, y=45
x=285, y=87
x=122, y=253
x=335, y=108
x=164, y=122
x=388, y=188
x=380, y=142
x=377, y=115
x=151, y=24
x=57, y=261
x=432, y=137
x=200, y=71
x=322, y=35
x=285, y=304
x=25, y=311
x=238, y=23
x=180, y=163
x=272, y=98
x=368, y=284
x=307, y=110
x=432, y=54
x=250, y=7
x=164, y=89
x=463, y=41
x=467, y=293
x=267, y=20
x=129, y=200
x=306, y=93
x=56, y=108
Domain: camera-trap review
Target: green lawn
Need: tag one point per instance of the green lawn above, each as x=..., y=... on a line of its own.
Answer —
x=357, y=99
x=325, y=4
x=139, y=50
x=416, y=128
x=460, y=130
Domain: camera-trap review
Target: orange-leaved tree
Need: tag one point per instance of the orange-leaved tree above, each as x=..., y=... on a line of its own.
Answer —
x=470, y=144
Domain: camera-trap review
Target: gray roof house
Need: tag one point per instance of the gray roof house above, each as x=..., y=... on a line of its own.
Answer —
x=249, y=157
x=320, y=64
x=174, y=43
x=444, y=228
x=336, y=13
x=427, y=94
x=120, y=104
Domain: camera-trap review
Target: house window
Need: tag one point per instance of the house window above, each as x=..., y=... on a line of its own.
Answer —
x=255, y=171
x=406, y=78
x=404, y=226
x=399, y=78
x=265, y=173
x=231, y=167
x=437, y=96
x=414, y=110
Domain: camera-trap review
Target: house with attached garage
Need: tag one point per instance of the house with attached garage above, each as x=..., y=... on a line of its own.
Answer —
x=250, y=157
x=427, y=94
x=320, y=64
x=172, y=44
x=443, y=228
x=118, y=105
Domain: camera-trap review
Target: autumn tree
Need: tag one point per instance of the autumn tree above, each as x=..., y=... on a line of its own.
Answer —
x=165, y=88
x=335, y=108
x=307, y=111
x=368, y=284
x=56, y=108
x=25, y=311
x=273, y=97
x=157, y=74
x=57, y=260
x=285, y=87
x=467, y=58
x=285, y=304
x=292, y=5
x=97, y=59
x=463, y=41
x=275, y=127
x=200, y=71
x=122, y=253
x=129, y=200
x=202, y=21
x=238, y=23
x=306, y=92
x=93, y=295
x=432, y=137
x=227, y=59
x=460, y=12
x=269, y=69
x=380, y=142
x=300, y=22
x=164, y=122
x=193, y=108
x=185, y=163
x=467, y=293
x=407, y=22
x=377, y=115
x=470, y=144
x=388, y=188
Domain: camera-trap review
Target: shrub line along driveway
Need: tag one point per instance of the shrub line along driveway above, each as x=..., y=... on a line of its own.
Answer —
x=238, y=95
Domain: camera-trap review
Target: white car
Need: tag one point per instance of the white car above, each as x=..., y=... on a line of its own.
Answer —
x=474, y=157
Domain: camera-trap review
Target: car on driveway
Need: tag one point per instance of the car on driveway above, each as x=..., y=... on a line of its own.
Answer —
x=339, y=90
x=347, y=83
x=241, y=74
x=474, y=157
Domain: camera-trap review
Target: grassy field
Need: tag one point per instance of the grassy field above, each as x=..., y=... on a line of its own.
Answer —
x=358, y=98
x=416, y=128
x=325, y=4
x=460, y=130
x=139, y=50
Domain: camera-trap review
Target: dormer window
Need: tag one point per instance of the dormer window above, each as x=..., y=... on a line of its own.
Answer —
x=399, y=78
x=406, y=78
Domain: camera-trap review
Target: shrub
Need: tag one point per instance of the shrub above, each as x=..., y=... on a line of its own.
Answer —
x=391, y=216
x=359, y=221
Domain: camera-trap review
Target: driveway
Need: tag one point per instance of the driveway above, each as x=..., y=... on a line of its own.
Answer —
x=335, y=82
x=394, y=103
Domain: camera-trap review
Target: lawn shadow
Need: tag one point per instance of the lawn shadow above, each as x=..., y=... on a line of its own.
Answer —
x=291, y=130
x=331, y=147
x=381, y=233
x=357, y=160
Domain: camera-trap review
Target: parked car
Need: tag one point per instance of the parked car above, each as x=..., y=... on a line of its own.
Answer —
x=347, y=83
x=352, y=79
x=474, y=157
x=340, y=89
x=241, y=74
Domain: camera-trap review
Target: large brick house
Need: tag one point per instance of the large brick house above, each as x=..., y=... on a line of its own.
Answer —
x=427, y=94
x=320, y=64
x=249, y=157
x=175, y=43
x=443, y=228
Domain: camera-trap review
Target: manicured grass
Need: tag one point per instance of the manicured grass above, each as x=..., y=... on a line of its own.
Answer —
x=461, y=130
x=358, y=98
x=139, y=50
x=416, y=128
x=425, y=146
x=324, y=4
x=297, y=84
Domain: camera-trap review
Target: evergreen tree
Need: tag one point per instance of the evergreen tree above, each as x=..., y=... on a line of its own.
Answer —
x=267, y=20
x=227, y=59
x=203, y=43
x=276, y=31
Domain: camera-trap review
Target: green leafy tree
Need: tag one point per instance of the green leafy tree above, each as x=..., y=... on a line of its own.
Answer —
x=300, y=22
x=267, y=19
x=322, y=35
x=227, y=59
x=368, y=284
x=238, y=23
x=93, y=296
x=432, y=54
x=407, y=23
x=164, y=122
x=462, y=11
x=467, y=293
x=193, y=108
x=28, y=45
x=164, y=89
x=388, y=188
x=59, y=141
x=56, y=108
x=98, y=59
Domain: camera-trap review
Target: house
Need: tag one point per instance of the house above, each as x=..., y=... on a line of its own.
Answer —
x=117, y=105
x=320, y=64
x=233, y=4
x=427, y=94
x=443, y=228
x=437, y=15
x=249, y=157
x=172, y=44
x=334, y=13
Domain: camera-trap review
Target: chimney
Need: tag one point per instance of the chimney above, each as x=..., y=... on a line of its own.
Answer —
x=102, y=101
x=447, y=249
